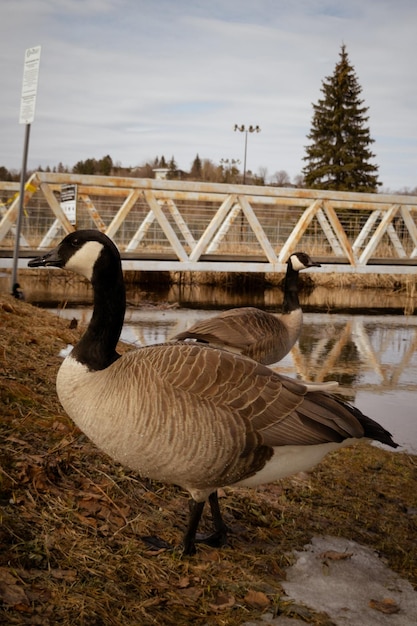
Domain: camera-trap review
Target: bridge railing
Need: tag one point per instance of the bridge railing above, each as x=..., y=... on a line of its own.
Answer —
x=195, y=226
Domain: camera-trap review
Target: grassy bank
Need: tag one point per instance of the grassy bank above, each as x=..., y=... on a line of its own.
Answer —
x=72, y=521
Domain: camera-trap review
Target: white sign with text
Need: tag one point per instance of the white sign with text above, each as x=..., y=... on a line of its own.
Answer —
x=30, y=85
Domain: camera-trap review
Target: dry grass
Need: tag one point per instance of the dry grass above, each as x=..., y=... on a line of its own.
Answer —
x=72, y=521
x=62, y=280
x=396, y=282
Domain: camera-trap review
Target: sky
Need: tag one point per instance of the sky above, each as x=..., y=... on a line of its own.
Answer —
x=137, y=79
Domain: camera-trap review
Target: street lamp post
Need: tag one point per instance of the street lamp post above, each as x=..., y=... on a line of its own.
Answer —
x=251, y=129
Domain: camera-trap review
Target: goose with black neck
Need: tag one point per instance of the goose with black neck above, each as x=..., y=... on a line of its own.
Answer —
x=189, y=414
x=255, y=333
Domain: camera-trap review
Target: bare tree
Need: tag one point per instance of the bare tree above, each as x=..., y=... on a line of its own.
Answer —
x=298, y=180
x=281, y=179
x=263, y=173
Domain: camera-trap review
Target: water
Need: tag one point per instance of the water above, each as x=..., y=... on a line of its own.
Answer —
x=373, y=357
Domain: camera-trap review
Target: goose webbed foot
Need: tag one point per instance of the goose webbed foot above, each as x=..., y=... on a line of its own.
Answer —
x=216, y=539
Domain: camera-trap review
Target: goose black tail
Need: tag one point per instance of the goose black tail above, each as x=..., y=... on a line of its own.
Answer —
x=372, y=429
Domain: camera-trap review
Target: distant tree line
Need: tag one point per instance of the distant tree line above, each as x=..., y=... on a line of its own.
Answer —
x=227, y=171
x=203, y=170
x=338, y=156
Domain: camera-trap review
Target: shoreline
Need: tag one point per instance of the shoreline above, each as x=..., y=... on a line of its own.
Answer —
x=335, y=293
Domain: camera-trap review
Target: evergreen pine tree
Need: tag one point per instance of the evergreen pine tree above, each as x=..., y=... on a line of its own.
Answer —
x=105, y=165
x=339, y=157
x=173, y=169
x=196, y=171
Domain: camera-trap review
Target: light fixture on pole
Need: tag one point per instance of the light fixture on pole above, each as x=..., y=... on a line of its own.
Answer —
x=251, y=129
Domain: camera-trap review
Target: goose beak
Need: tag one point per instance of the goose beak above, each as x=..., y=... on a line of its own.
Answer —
x=315, y=264
x=51, y=258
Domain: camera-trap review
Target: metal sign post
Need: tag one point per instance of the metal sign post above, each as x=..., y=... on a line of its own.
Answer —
x=27, y=115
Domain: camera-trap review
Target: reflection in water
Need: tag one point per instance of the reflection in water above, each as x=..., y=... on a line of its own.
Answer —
x=321, y=298
x=374, y=358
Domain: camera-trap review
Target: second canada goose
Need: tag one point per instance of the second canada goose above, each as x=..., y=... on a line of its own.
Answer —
x=189, y=414
x=262, y=336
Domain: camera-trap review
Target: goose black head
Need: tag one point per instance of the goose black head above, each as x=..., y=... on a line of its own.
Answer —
x=301, y=261
x=79, y=251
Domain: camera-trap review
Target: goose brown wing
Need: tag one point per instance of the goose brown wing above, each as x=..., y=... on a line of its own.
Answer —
x=248, y=330
x=277, y=410
x=235, y=327
x=319, y=418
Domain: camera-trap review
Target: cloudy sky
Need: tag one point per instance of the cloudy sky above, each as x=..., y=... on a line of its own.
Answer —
x=137, y=79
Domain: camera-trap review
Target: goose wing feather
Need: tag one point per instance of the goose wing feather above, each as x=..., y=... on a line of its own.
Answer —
x=280, y=409
x=250, y=331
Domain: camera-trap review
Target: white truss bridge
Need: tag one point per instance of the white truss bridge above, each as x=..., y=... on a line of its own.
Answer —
x=162, y=225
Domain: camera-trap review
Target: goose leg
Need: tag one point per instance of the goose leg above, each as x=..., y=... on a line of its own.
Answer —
x=196, y=511
x=216, y=539
x=219, y=537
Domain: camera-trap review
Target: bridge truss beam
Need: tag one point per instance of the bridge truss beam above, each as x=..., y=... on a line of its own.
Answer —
x=162, y=225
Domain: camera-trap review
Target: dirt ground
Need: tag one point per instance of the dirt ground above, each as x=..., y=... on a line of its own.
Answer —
x=73, y=522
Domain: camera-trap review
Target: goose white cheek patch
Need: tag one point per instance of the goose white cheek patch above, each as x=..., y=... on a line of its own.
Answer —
x=82, y=262
x=296, y=264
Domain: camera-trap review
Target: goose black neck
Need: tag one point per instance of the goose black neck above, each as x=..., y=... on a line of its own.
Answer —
x=291, y=302
x=97, y=347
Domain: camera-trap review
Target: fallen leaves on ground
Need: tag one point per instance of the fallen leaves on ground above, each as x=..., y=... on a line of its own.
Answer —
x=387, y=606
x=72, y=520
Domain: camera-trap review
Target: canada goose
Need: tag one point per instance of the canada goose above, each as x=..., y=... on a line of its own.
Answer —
x=262, y=336
x=189, y=414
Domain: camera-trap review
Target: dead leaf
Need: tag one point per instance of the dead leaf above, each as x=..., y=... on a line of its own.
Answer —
x=104, y=512
x=210, y=556
x=257, y=599
x=192, y=593
x=69, y=575
x=38, y=594
x=89, y=505
x=10, y=592
x=23, y=608
x=152, y=602
x=117, y=521
x=332, y=555
x=155, y=552
x=387, y=606
x=88, y=521
x=222, y=602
